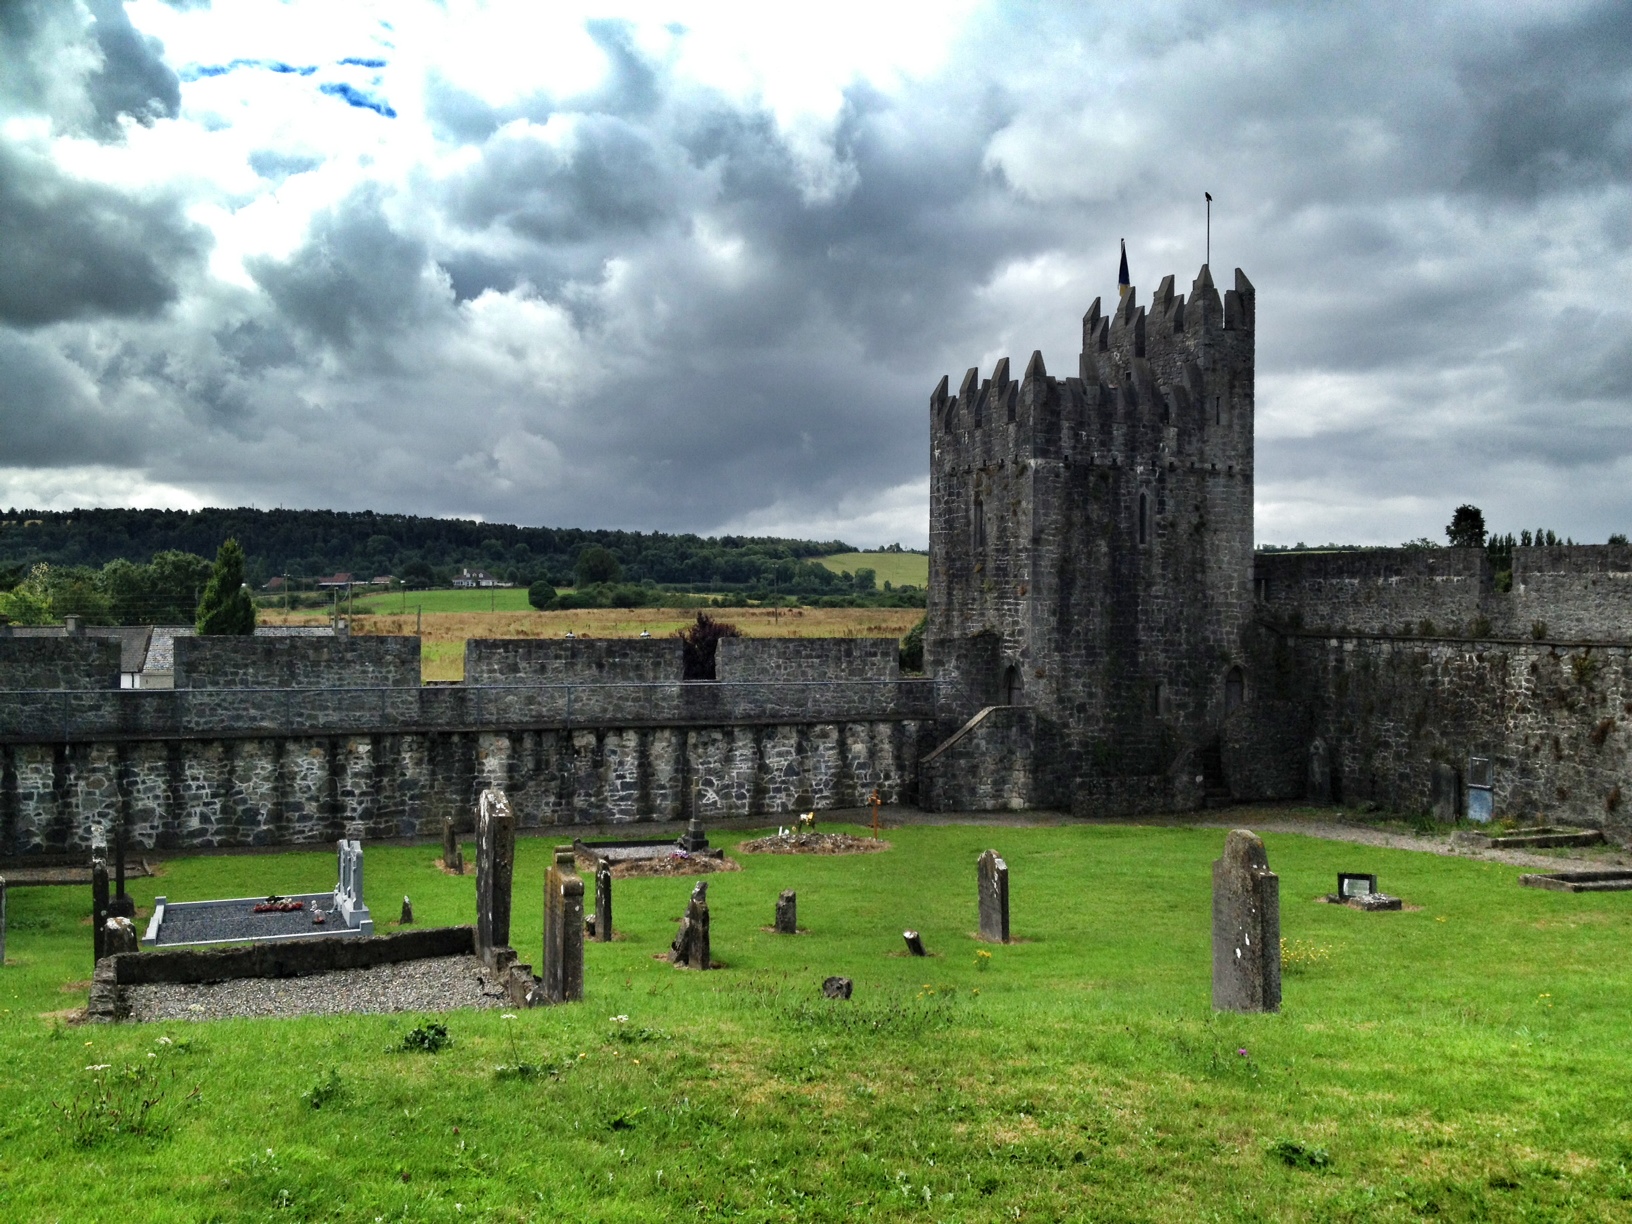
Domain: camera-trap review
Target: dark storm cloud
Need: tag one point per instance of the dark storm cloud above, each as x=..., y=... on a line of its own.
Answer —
x=655, y=305
x=49, y=413
x=355, y=282
x=71, y=249
x=611, y=179
x=1554, y=106
x=133, y=80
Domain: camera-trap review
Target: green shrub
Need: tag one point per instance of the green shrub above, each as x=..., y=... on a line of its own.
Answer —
x=540, y=594
x=428, y=1038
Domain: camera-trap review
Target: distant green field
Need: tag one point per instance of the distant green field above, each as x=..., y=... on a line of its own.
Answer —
x=494, y=599
x=902, y=569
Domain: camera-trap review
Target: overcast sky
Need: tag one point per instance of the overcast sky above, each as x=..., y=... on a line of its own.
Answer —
x=680, y=267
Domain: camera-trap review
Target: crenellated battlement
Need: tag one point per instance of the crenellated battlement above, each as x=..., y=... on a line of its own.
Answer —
x=1091, y=535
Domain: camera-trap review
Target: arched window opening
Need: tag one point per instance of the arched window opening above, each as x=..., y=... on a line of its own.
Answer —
x=1158, y=700
x=980, y=525
x=1011, y=685
x=1218, y=410
x=1235, y=690
x=1144, y=518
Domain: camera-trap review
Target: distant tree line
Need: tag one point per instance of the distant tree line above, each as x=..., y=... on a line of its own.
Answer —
x=149, y=566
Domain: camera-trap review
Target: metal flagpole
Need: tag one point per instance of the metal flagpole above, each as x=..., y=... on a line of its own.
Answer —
x=1209, y=196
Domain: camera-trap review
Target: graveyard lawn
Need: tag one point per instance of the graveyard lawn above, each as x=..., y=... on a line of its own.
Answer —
x=1464, y=1061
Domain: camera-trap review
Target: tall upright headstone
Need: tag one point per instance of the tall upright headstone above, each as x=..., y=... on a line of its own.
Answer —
x=1246, y=927
x=495, y=865
x=992, y=875
x=787, y=913
x=99, y=904
x=603, y=901
x=563, y=980
x=453, y=854
x=691, y=942
x=348, y=889
x=121, y=905
x=1444, y=792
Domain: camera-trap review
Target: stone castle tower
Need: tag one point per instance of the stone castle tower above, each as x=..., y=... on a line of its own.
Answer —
x=1091, y=552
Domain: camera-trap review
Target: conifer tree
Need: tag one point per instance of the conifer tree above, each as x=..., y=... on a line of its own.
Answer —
x=226, y=607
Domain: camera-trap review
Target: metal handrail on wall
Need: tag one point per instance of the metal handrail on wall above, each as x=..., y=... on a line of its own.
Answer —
x=76, y=715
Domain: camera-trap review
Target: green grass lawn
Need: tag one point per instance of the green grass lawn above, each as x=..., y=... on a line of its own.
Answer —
x=1465, y=1061
x=494, y=599
x=903, y=569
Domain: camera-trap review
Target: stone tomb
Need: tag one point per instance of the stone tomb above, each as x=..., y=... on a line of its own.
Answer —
x=992, y=875
x=254, y=919
x=1246, y=927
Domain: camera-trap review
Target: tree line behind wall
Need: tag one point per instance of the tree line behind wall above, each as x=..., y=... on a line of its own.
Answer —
x=317, y=543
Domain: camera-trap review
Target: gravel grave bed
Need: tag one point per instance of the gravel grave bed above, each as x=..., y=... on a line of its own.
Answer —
x=666, y=865
x=441, y=983
x=813, y=843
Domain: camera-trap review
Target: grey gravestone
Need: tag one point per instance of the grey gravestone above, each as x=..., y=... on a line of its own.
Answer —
x=1444, y=792
x=122, y=905
x=915, y=945
x=1320, y=772
x=1246, y=927
x=603, y=901
x=563, y=980
x=787, y=913
x=691, y=942
x=837, y=987
x=1355, y=884
x=495, y=864
x=695, y=837
x=348, y=891
x=118, y=936
x=453, y=854
x=992, y=874
x=407, y=918
x=99, y=905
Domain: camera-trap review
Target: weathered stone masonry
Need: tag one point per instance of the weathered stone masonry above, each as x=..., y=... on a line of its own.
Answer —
x=230, y=765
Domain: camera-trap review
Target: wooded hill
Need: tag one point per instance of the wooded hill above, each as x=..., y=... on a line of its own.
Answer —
x=310, y=544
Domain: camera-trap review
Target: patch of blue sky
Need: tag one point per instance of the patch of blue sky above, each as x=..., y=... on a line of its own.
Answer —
x=353, y=96
x=195, y=72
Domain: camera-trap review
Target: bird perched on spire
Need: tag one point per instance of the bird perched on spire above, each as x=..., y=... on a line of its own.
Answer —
x=1122, y=285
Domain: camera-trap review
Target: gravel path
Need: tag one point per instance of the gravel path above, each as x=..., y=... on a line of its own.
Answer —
x=438, y=984
x=1265, y=820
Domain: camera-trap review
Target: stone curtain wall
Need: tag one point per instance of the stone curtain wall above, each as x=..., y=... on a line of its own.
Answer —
x=1579, y=593
x=1384, y=590
x=291, y=789
x=785, y=659
x=77, y=663
x=581, y=661
x=1556, y=720
x=296, y=662
x=985, y=766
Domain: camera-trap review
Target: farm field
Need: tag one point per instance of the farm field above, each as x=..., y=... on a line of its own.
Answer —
x=443, y=634
x=902, y=569
x=1462, y=1060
